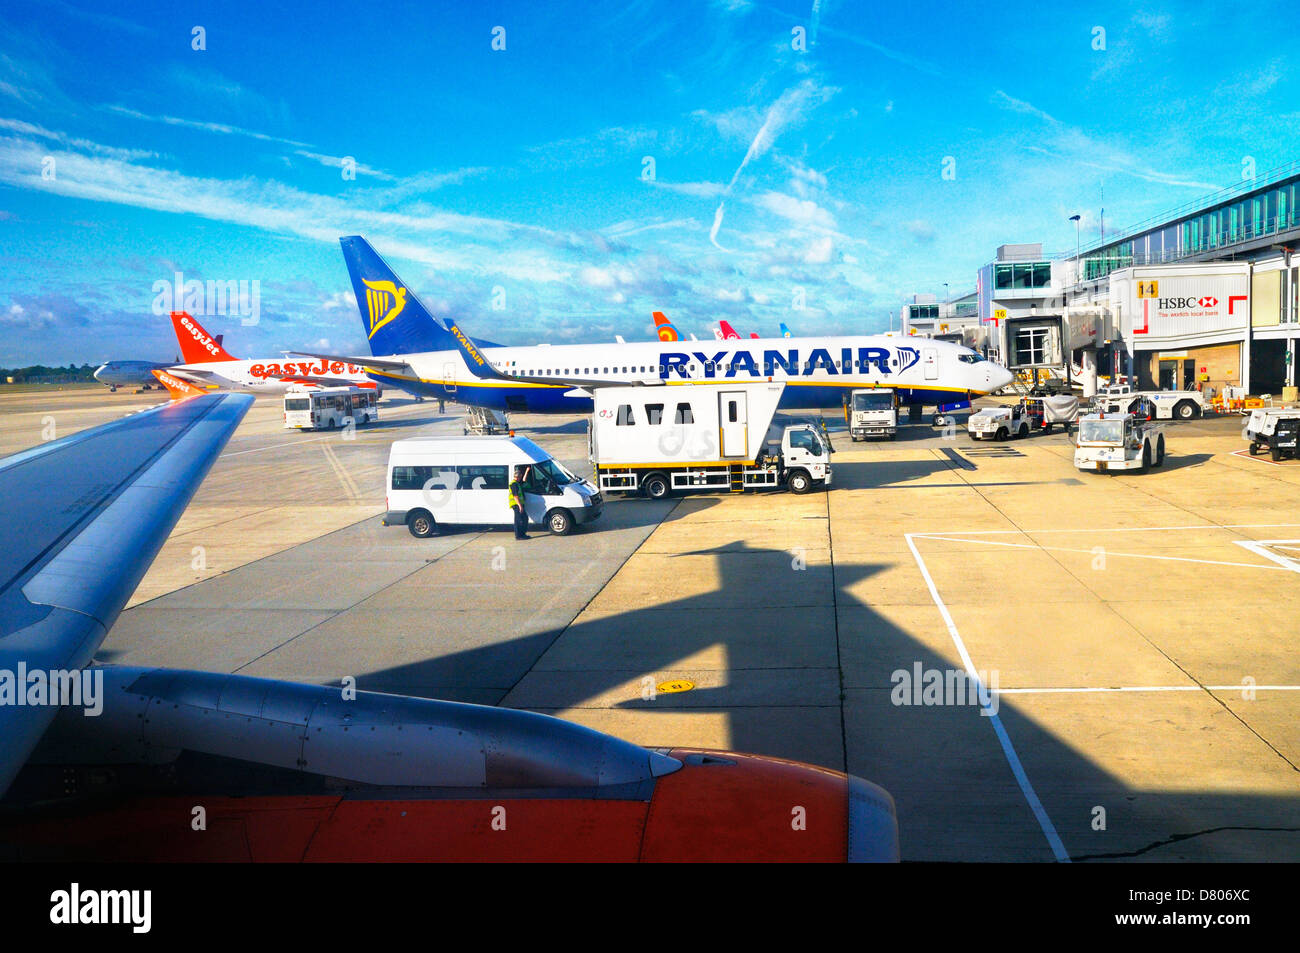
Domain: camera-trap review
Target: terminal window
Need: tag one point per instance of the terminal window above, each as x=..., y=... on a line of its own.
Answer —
x=654, y=414
x=625, y=418
x=1036, y=274
x=684, y=415
x=1031, y=346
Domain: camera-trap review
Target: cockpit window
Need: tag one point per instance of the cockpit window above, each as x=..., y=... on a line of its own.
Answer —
x=970, y=357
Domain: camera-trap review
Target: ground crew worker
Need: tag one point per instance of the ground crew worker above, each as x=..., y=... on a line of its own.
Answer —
x=516, y=498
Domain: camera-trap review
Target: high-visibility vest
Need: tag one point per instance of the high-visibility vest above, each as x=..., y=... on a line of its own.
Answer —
x=510, y=495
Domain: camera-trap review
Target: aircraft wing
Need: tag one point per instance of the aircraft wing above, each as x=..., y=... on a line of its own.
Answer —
x=84, y=517
x=205, y=378
x=367, y=361
x=480, y=366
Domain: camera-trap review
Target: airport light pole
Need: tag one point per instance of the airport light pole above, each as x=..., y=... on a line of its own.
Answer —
x=1078, y=278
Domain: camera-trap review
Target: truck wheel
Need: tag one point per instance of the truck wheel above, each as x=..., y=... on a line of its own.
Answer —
x=1146, y=457
x=1254, y=448
x=1024, y=431
x=1160, y=450
x=1275, y=452
x=893, y=436
x=656, y=486
x=1047, y=428
x=1001, y=434
x=1184, y=410
x=559, y=522
x=421, y=524
x=799, y=482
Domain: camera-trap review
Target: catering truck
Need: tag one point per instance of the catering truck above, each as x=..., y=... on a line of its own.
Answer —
x=1108, y=442
x=1165, y=404
x=657, y=440
x=1276, y=429
x=873, y=412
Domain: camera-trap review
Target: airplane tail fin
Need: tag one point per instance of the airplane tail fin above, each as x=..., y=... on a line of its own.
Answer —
x=785, y=332
x=394, y=318
x=665, y=328
x=197, y=345
x=728, y=332
x=178, y=388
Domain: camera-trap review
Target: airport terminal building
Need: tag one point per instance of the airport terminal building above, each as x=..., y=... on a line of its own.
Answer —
x=1205, y=296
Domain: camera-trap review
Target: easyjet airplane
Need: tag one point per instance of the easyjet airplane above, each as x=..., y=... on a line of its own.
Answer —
x=210, y=365
x=549, y=378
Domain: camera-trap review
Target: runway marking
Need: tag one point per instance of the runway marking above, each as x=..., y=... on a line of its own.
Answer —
x=1148, y=688
x=1115, y=529
x=1259, y=548
x=349, y=485
x=1257, y=459
x=274, y=446
x=1109, y=553
x=1008, y=749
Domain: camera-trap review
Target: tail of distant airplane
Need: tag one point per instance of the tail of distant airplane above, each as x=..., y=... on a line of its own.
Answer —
x=178, y=388
x=753, y=334
x=395, y=320
x=197, y=345
x=728, y=332
x=665, y=328
x=785, y=332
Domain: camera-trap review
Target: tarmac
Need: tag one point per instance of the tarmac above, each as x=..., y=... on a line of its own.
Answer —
x=1140, y=630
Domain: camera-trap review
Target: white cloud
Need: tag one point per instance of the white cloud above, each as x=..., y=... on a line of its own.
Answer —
x=1010, y=103
x=799, y=211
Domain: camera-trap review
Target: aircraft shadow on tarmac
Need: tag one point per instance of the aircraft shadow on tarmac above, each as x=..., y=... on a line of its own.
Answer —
x=957, y=796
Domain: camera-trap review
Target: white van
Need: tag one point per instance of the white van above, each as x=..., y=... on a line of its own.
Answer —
x=456, y=481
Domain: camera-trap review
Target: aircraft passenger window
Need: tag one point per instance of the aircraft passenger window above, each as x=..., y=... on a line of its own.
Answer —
x=625, y=418
x=684, y=415
x=893, y=362
x=654, y=414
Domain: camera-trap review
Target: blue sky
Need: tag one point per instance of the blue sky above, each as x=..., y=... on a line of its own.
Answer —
x=774, y=169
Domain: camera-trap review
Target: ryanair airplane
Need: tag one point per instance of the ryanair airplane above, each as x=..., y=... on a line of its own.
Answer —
x=542, y=379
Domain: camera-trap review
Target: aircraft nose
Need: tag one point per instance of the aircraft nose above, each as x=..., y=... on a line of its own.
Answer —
x=999, y=377
x=99, y=370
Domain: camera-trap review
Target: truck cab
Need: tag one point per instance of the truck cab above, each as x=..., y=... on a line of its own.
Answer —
x=804, y=459
x=1108, y=442
x=873, y=412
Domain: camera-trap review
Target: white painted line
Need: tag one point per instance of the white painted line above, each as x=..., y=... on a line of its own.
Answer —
x=1149, y=688
x=1008, y=749
x=274, y=446
x=1116, y=529
x=1258, y=547
x=1257, y=459
x=1109, y=553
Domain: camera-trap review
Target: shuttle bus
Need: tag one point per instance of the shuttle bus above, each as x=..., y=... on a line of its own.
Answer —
x=325, y=408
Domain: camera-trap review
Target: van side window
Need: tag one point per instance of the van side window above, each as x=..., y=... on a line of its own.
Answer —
x=684, y=415
x=654, y=414
x=483, y=478
x=625, y=418
x=411, y=478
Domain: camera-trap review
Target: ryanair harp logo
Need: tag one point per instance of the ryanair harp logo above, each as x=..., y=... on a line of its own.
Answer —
x=384, y=301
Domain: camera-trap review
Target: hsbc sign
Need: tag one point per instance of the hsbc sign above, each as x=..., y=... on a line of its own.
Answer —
x=1203, y=303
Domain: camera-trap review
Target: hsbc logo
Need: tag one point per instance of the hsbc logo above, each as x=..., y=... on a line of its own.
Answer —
x=1186, y=304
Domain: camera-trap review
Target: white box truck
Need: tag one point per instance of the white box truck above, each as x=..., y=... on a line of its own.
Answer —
x=465, y=481
x=873, y=412
x=657, y=440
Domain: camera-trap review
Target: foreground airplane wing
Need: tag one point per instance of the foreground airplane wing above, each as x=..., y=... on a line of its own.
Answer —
x=86, y=515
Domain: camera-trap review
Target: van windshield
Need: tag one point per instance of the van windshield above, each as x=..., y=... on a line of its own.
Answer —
x=555, y=472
